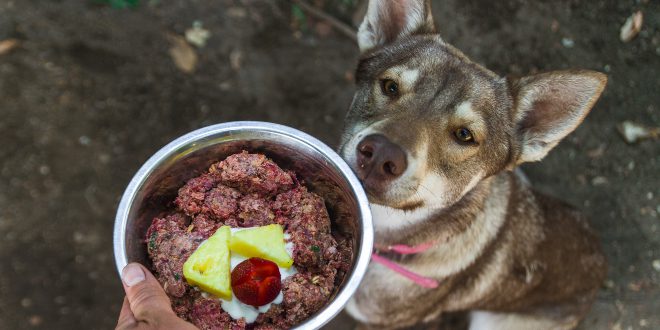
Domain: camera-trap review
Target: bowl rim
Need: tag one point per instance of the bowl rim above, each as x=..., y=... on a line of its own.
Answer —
x=367, y=236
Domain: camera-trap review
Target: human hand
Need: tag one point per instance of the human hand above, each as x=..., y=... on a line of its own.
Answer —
x=146, y=306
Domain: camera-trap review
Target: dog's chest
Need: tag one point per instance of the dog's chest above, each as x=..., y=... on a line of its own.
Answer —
x=387, y=295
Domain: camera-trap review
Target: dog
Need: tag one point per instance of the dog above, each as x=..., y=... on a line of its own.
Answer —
x=435, y=140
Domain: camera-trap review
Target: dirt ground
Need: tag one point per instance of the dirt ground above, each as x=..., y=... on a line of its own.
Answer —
x=90, y=92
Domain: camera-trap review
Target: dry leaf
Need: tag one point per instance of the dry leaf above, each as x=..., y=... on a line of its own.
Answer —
x=609, y=284
x=656, y=264
x=237, y=12
x=632, y=132
x=597, y=152
x=635, y=286
x=348, y=76
x=599, y=181
x=183, y=55
x=7, y=45
x=197, y=35
x=632, y=26
x=567, y=42
x=323, y=29
x=236, y=59
x=554, y=26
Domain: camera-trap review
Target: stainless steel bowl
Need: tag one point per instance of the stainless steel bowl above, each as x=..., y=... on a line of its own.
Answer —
x=155, y=185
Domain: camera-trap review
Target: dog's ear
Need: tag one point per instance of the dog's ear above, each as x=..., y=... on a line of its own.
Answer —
x=551, y=105
x=387, y=20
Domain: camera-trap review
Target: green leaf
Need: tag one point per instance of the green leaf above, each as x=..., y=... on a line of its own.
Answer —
x=299, y=16
x=152, y=240
x=119, y=3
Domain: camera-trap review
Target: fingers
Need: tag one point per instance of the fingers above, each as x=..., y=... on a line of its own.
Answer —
x=126, y=317
x=147, y=300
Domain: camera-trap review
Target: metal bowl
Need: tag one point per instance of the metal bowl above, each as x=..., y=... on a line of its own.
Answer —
x=155, y=185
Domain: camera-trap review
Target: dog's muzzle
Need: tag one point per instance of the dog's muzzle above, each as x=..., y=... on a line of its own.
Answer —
x=379, y=161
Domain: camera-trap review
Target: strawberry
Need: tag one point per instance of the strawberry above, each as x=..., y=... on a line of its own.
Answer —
x=256, y=281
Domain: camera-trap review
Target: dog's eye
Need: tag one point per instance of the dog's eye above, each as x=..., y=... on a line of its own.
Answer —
x=389, y=87
x=464, y=135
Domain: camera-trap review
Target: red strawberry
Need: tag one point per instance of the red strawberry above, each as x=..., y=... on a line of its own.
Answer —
x=256, y=281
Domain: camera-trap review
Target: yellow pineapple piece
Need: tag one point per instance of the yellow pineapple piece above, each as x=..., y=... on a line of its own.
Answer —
x=266, y=242
x=209, y=266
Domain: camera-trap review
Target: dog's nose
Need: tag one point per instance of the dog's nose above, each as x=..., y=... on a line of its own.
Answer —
x=379, y=158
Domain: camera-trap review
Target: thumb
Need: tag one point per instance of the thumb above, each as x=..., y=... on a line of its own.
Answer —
x=146, y=297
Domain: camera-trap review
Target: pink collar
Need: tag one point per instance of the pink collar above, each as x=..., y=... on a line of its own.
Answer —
x=402, y=249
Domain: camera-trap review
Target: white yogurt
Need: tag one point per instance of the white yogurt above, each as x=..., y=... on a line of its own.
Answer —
x=288, y=245
x=235, y=308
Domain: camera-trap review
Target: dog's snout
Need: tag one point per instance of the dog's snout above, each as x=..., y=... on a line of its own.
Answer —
x=379, y=158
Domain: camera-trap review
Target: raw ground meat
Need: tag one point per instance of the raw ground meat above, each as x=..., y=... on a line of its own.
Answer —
x=206, y=313
x=221, y=202
x=193, y=194
x=169, y=246
x=204, y=225
x=306, y=218
x=305, y=293
x=247, y=190
x=252, y=173
x=255, y=211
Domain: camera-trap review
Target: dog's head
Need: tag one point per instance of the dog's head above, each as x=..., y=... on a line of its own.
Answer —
x=427, y=124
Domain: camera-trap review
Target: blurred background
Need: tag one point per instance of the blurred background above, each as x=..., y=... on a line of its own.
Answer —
x=90, y=89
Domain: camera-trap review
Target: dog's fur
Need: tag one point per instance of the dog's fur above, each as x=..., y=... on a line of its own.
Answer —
x=513, y=257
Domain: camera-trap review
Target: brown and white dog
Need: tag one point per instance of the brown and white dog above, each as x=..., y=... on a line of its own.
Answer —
x=435, y=139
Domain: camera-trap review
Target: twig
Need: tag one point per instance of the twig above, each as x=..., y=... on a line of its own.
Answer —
x=340, y=26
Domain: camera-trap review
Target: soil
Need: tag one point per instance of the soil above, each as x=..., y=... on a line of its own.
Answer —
x=91, y=92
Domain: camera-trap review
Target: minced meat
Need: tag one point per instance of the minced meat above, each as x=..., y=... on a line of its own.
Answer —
x=247, y=190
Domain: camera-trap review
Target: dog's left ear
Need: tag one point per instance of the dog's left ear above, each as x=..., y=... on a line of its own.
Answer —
x=551, y=105
x=388, y=20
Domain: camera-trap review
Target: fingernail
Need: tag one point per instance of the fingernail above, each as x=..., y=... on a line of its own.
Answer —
x=132, y=274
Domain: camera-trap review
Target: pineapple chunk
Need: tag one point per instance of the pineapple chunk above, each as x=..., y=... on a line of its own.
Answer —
x=266, y=242
x=209, y=266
